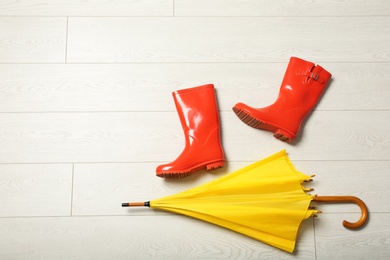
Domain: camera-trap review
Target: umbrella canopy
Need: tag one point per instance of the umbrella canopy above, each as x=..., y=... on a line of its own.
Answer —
x=265, y=200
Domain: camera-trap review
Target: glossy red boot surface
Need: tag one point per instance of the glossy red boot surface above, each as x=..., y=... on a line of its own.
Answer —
x=198, y=113
x=301, y=88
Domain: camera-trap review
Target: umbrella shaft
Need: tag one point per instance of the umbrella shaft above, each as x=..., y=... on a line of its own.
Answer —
x=136, y=204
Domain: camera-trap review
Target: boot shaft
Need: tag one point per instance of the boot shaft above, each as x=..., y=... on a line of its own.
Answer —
x=303, y=84
x=198, y=111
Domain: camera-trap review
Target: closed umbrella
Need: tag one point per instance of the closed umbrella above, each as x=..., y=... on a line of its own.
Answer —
x=265, y=200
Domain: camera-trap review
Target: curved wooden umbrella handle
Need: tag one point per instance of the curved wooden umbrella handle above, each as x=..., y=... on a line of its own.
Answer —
x=359, y=202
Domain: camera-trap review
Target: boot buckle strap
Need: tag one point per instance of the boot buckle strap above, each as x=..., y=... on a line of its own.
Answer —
x=313, y=75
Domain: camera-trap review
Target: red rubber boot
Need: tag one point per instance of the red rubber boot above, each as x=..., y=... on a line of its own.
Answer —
x=198, y=113
x=301, y=88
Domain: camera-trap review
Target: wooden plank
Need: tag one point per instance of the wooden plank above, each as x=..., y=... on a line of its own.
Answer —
x=32, y=39
x=148, y=87
x=333, y=241
x=280, y=8
x=35, y=189
x=210, y=39
x=86, y=8
x=158, y=137
x=326, y=135
x=99, y=189
x=144, y=237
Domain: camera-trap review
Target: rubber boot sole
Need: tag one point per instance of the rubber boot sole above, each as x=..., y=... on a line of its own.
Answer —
x=176, y=175
x=254, y=122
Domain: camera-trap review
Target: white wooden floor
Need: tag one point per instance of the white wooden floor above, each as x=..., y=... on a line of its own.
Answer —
x=86, y=115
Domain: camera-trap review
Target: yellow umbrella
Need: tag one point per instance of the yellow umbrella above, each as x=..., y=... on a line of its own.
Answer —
x=265, y=201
